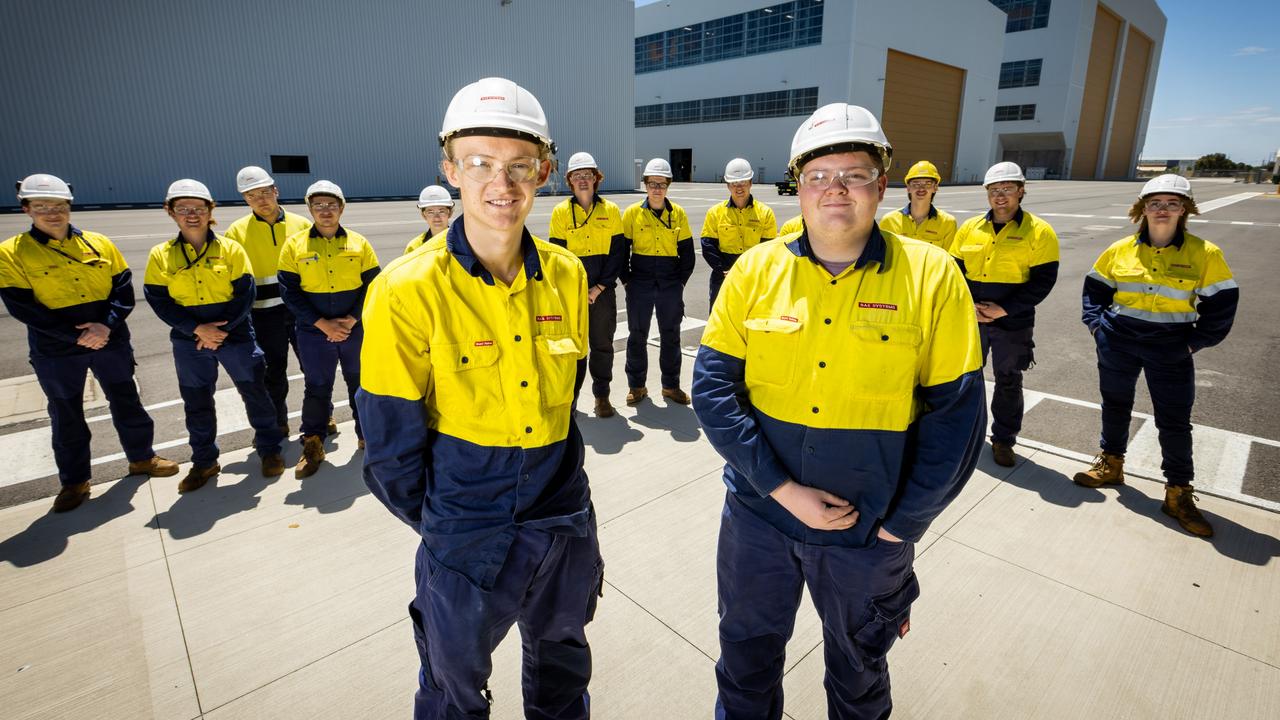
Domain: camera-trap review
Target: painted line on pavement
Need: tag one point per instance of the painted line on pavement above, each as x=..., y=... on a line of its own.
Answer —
x=1211, y=205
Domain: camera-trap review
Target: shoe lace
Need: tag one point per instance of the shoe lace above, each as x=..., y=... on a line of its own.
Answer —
x=1101, y=463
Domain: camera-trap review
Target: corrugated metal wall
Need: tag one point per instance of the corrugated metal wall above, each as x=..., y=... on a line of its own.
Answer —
x=122, y=98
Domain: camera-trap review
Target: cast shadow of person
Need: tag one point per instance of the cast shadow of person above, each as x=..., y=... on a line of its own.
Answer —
x=333, y=488
x=607, y=436
x=672, y=417
x=49, y=535
x=1230, y=538
x=197, y=512
x=1052, y=486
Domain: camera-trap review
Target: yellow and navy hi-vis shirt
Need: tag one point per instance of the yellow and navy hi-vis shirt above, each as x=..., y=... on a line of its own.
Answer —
x=51, y=285
x=1014, y=266
x=938, y=229
x=418, y=241
x=263, y=242
x=794, y=225
x=186, y=287
x=661, y=245
x=326, y=277
x=729, y=231
x=1182, y=294
x=594, y=235
x=867, y=384
x=467, y=399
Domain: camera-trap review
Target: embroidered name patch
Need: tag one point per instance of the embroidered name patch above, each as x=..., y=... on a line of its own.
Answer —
x=548, y=318
x=788, y=318
x=877, y=306
x=1180, y=265
x=484, y=343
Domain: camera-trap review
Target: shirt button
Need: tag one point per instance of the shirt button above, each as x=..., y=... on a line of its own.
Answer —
x=884, y=338
x=833, y=282
x=517, y=338
x=809, y=450
x=827, y=320
x=822, y=364
x=465, y=360
x=524, y=383
x=815, y=411
x=528, y=429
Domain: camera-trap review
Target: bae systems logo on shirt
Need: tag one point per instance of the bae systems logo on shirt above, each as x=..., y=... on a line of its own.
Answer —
x=1180, y=265
x=877, y=306
x=548, y=318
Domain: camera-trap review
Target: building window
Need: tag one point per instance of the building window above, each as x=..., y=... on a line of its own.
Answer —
x=779, y=103
x=649, y=115
x=1020, y=73
x=778, y=27
x=1024, y=14
x=297, y=164
x=1015, y=112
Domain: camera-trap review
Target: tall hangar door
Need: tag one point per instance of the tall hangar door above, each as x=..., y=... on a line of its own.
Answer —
x=1097, y=93
x=921, y=112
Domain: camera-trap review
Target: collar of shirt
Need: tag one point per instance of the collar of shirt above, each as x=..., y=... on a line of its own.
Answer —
x=1145, y=239
x=595, y=200
x=1017, y=217
x=43, y=237
x=209, y=239
x=751, y=199
x=279, y=217
x=933, y=211
x=666, y=206
x=460, y=248
x=874, y=251
x=313, y=232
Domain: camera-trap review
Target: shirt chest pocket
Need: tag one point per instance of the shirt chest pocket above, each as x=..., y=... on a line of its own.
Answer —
x=584, y=241
x=975, y=258
x=772, y=346
x=884, y=357
x=1012, y=261
x=557, y=357
x=467, y=379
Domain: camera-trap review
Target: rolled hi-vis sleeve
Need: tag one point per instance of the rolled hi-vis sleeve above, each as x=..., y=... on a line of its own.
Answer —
x=1218, y=296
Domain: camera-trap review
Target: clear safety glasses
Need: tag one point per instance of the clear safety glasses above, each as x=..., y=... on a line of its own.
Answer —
x=483, y=169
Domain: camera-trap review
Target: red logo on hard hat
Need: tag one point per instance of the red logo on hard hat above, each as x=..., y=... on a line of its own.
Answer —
x=492, y=97
x=819, y=122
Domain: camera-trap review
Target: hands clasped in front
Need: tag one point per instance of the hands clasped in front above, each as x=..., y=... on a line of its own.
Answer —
x=820, y=509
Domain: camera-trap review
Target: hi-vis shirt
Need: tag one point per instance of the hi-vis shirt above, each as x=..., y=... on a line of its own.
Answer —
x=938, y=228
x=1182, y=294
x=1015, y=267
x=263, y=242
x=186, y=287
x=467, y=399
x=326, y=278
x=867, y=384
x=418, y=241
x=594, y=235
x=52, y=285
x=728, y=231
x=661, y=245
x=794, y=225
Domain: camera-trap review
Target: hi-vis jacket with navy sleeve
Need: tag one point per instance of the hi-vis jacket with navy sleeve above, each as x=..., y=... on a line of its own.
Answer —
x=595, y=236
x=1015, y=267
x=418, y=241
x=794, y=225
x=187, y=288
x=1182, y=294
x=326, y=278
x=729, y=231
x=53, y=285
x=467, y=398
x=263, y=241
x=661, y=245
x=867, y=385
x=938, y=228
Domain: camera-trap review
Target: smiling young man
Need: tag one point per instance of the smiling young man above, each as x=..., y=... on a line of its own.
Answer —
x=736, y=225
x=840, y=377
x=477, y=338
x=920, y=220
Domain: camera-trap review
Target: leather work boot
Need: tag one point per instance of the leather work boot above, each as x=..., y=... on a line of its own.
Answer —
x=273, y=465
x=331, y=428
x=676, y=395
x=1002, y=453
x=70, y=497
x=1179, y=504
x=360, y=445
x=312, y=456
x=155, y=467
x=1107, y=469
x=197, y=477
x=636, y=394
x=604, y=408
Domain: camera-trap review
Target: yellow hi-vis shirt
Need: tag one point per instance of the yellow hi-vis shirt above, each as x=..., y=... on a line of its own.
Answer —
x=794, y=225
x=736, y=230
x=1004, y=257
x=938, y=228
x=263, y=242
x=418, y=241
x=197, y=278
x=654, y=236
x=586, y=233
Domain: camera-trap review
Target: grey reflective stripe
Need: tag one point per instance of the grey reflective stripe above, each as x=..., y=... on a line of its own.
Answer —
x=1101, y=278
x=1161, y=290
x=1159, y=317
x=266, y=280
x=1209, y=290
x=269, y=302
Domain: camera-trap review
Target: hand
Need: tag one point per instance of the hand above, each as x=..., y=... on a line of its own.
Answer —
x=989, y=310
x=347, y=322
x=816, y=508
x=93, y=336
x=887, y=536
x=210, y=335
x=594, y=293
x=333, y=330
x=202, y=345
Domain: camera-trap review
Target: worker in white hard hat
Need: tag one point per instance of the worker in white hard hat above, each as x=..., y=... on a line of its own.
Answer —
x=840, y=376
x=201, y=285
x=1010, y=260
x=262, y=233
x=736, y=225
x=1153, y=300
x=660, y=262
x=920, y=220
x=591, y=228
x=73, y=290
x=478, y=337
x=436, y=205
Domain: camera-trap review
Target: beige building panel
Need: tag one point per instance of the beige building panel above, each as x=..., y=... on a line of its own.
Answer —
x=921, y=112
x=1097, y=91
x=1124, y=123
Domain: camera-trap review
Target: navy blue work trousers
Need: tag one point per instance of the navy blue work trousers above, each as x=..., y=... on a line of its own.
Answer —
x=1171, y=380
x=198, y=381
x=548, y=587
x=644, y=300
x=275, y=331
x=62, y=379
x=863, y=597
x=1012, y=353
x=320, y=360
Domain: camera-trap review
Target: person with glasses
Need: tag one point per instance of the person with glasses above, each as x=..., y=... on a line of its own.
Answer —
x=1010, y=259
x=201, y=285
x=262, y=233
x=840, y=376
x=478, y=337
x=73, y=290
x=920, y=220
x=591, y=228
x=736, y=225
x=1153, y=300
x=660, y=263
x=324, y=274
x=436, y=205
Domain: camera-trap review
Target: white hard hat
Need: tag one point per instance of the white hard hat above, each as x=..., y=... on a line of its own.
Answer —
x=738, y=170
x=834, y=126
x=187, y=188
x=1004, y=172
x=252, y=178
x=659, y=167
x=324, y=187
x=434, y=196
x=43, y=186
x=1168, y=183
x=581, y=160
x=496, y=106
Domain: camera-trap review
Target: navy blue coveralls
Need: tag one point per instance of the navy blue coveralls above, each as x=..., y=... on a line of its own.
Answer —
x=661, y=262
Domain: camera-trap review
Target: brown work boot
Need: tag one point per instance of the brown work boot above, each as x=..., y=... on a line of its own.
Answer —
x=197, y=477
x=331, y=428
x=360, y=445
x=1107, y=469
x=70, y=497
x=676, y=395
x=636, y=394
x=273, y=465
x=155, y=467
x=312, y=456
x=1002, y=453
x=1179, y=504
x=604, y=408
